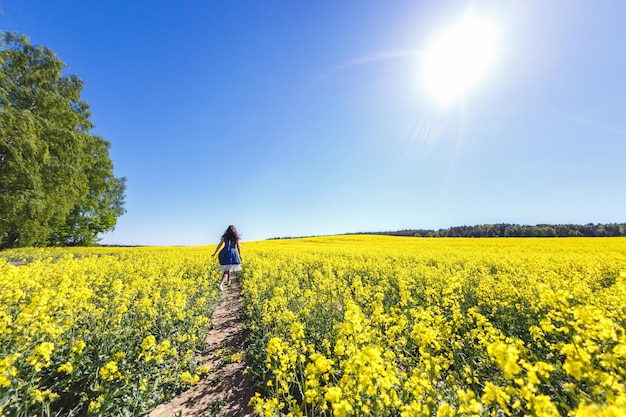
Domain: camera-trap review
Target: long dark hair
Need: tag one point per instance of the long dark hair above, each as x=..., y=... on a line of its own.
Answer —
x=231, y=234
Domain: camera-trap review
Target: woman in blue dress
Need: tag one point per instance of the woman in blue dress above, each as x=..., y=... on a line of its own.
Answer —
x=230, y=255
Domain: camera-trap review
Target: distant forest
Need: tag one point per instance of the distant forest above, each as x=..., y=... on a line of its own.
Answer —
x=516, y=230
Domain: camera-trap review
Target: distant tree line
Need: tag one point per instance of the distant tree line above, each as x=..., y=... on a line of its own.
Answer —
x=516, y=230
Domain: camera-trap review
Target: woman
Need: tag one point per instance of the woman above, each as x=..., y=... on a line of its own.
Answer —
x=230, y=255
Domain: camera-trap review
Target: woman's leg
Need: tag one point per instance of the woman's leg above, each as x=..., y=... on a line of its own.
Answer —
x=225, y=277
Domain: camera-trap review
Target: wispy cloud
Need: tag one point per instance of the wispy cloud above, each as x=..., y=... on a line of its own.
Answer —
x=591, y=123
x=371, y=58
x=375, y=57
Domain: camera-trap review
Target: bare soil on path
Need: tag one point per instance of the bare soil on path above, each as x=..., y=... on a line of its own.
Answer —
x=225, y=391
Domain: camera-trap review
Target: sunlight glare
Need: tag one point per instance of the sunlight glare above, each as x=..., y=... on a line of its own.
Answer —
x=459, y=58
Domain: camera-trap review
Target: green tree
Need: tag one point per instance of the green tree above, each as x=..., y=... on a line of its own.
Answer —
x=56, y=179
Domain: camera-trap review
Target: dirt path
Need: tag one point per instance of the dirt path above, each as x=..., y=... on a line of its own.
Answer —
x=224, y=391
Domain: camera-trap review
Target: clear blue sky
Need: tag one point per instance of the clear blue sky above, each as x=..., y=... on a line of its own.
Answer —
x=292, y=118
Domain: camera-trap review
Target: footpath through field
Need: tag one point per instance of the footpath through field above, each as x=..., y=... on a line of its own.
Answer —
x=224, y=391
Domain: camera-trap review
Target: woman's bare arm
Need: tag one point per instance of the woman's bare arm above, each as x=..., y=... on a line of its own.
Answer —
x=219, y=245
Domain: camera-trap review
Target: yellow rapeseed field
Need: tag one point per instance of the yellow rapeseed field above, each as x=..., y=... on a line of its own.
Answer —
x=100, y=331
x=341, y=326
x=388, y=326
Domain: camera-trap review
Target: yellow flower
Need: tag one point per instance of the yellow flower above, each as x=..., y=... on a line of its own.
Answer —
x=148, y=342
x=506, y=356
x=468, y=403
x=311, y=395
x=543, y=406
x=164, y=346
x=41, y=356
x=204, y=369
x=342, y=409
x=187, y=378
x=297, y=331
x=78, y=347
x=109, y=371
x=333, y=394
x=144, y=384
x=95, y=405
x=45, y=350
x=39, y=396
x=66, y=367
x=445, y=410
x=493, y=393
x=576, y=361
x=596, y=410
x=7, y=370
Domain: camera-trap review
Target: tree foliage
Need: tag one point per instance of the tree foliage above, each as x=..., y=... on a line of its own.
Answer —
x=56, y=179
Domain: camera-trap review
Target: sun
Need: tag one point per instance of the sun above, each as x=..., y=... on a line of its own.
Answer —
x=459, y=58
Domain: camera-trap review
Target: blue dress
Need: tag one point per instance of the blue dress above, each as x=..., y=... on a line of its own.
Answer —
x=229, y=257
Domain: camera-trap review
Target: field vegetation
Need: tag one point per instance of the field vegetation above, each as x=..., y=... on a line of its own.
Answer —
x=99, y=331
x=346, y=325
x=363, y=325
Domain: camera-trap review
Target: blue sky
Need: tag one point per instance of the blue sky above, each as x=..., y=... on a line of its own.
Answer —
x=294, y=118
